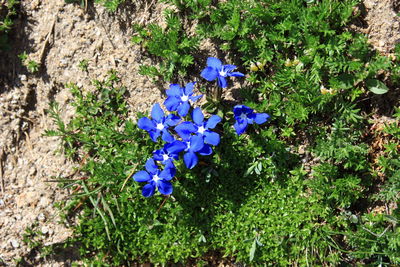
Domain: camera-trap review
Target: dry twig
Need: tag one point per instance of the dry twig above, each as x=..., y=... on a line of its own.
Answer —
x=162, y=204
x=129, y=176
x=1, y=171
x=46, y=41
x=29, y=143
x=16, y=115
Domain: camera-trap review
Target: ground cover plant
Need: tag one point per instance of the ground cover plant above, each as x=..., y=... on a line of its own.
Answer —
x=111, y=5
x=7, y=12
x=316, y=184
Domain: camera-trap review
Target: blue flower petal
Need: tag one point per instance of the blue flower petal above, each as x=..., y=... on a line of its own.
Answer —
x=236, y=74
x=158, y=155
x=206, y=150
x=172, y=103
x=196, y=143
x=174, y=90
x=141, y=176
x=228, y=68
x=185, y=129
x=148, y=190
x=222, y=82
x=247, y=110
x=198, y=116
x=171, y=167
x=157, y=113
x=213, y=121
x=183, y=109
x=166, y=136
x=151, y=166
x=154, y=135
x=240, y=127
x=164, y=187
x=209, y=73
x=146, y=124
x=250, y=118
x=167, y=173
x=175, y=147
x=195, y=98
x=261, y=118
x=168, y=161
x=239, y=109
x=214, y=62
x=211, y=138
x=190, y=160
x=189, y=88
x=172, y=120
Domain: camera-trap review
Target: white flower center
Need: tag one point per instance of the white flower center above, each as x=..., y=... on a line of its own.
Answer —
x=160, y=126
x=165, y=157
x=201, y=130
x=187, y=146
x=184, y=98
x=222, y=73
x=156, y=178
x=243, y=116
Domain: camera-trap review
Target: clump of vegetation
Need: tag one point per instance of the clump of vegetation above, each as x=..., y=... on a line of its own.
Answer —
x=314, y=186
x=172, y=44
x=7, y=12
x=111, y=5
x=30, y=64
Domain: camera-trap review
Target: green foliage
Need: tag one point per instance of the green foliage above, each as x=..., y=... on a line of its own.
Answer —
x=30, y=64
x=171, y=44
x=198, y=9
x=83, y=65
x=111, y=5
x=8, y=10
x=32, y=236
x=258, y=199
x=307, y=49
x=377, y=238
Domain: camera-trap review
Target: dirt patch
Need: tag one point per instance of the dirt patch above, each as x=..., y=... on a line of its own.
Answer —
x=381, y=24
x=30, y=161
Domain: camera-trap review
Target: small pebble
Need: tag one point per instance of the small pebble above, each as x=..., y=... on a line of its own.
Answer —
x=41, y=217
x=22, y=77
x=14, y=243
x=45, y=230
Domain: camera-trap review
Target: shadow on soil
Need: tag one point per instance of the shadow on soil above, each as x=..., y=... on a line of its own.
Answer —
x=58, y=254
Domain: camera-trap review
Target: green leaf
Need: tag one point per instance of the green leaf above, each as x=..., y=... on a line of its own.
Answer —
x=253, y=250
x=376, y=87
x=345, y=81
x=353, y=218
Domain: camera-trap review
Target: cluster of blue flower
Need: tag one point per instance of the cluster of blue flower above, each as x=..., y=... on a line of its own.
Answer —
x=196, y=137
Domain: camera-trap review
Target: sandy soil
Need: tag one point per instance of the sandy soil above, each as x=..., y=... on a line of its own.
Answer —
x=28, y=161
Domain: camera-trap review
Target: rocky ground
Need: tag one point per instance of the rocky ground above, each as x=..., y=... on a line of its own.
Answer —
x=60, y=36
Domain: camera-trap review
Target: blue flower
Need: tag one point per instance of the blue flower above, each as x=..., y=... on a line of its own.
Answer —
x=215, y=70
x=244, y=116
x=159, y=124
x=155, y=179
x=200, y=127
x=178, y=98
x=194, y=144
x=169, y=152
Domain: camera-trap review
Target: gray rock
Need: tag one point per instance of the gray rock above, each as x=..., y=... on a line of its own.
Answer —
x=41, y=217
x=14, y=243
